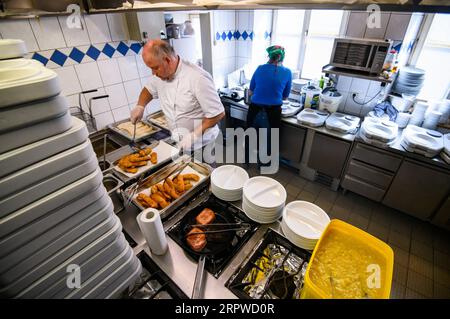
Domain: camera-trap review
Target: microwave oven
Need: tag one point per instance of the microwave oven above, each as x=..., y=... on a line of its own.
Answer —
x=366, y=55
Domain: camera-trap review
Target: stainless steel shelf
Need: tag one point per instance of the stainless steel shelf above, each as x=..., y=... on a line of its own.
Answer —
x=356, y=74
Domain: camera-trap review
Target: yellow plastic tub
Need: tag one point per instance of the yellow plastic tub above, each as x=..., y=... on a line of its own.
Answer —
x=347, y=262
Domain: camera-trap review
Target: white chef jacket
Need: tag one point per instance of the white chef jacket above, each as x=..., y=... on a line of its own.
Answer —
x=189, y=96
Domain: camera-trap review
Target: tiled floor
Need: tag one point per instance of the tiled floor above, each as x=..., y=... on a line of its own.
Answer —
x=421, y=250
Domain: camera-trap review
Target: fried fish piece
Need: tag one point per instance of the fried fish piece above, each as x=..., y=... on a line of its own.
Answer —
x=191, y=176
x=154, y=158
x=147, y=200
x=160, y=200
x=178, y=183
x=170, y=189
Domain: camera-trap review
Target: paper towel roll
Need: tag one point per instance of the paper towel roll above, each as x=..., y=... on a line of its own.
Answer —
x=149, y=222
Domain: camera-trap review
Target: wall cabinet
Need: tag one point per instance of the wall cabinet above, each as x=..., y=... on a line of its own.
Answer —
x=144, y=25
x=418, y=189
x=292, y=140
x=328, y=155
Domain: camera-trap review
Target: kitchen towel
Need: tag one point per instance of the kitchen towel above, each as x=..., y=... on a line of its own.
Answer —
x=149, y=222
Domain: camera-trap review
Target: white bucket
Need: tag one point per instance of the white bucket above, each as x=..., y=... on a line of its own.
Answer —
x=329, y=103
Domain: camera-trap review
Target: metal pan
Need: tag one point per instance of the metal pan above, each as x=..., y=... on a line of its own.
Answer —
x=155, y=119
x=203, y=170
x=216, y=244
x=114, y=128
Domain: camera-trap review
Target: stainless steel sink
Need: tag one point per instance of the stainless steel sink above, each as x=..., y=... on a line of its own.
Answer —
x=113, y=142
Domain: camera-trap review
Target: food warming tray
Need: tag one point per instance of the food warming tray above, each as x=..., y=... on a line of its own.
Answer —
x=28, y=83
x=37, y=151
x=114, y=128
x=55, y=268
x=53, y=201
x=38, y=242
x=14, y=139
x=33, y=262
x=201, y=169
x=25, y=186
x=159, y=119
x=18, y=116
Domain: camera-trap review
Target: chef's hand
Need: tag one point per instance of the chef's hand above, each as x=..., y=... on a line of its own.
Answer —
x=137, y=113
x=186, y=143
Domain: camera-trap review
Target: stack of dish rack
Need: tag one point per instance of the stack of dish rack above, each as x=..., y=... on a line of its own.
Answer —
x=59, y=237
x=378, y=131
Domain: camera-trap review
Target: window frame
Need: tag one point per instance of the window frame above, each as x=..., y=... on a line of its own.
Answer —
x=304, y=33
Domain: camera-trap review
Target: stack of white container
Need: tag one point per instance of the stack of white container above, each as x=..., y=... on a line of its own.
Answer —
x=59, y=237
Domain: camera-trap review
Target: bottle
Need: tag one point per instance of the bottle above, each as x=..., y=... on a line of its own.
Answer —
x=389, y=60
x=395, y=67
x=321, y=82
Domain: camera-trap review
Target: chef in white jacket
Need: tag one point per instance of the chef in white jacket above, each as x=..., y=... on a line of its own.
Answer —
x=187, y=96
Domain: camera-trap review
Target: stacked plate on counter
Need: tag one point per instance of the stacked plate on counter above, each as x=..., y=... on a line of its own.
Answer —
x=227, y=182
x=445, y=154
x=303, y=223
x=379, y=132
x=422, y=141
x=409, y=81
x=263, y=199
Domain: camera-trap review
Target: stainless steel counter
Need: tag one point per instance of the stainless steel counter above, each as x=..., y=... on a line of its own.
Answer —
x=179, y=266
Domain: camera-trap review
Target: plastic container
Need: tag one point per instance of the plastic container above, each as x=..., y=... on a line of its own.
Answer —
x=310, y=96
x=330, y=101
x=311, y=291
x=13, y=139
x=32, y=153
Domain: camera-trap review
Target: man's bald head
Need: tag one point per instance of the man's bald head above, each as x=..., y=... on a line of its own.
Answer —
x=159, y=49
x=159, y=56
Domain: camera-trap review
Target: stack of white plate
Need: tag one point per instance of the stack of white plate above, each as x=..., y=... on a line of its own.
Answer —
x=418, y=114
x=227, y=182
x=263, y=199
x=409, y=81
x=303, y=223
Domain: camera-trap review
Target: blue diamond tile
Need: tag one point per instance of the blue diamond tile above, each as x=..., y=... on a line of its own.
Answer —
x=93, y=52
x=251, y=35
x=245, y=35
x=76, y=55
x=108, y=50
x=217, y=36
x=58, y=57
x=122, y=48
x=237, y=35
x=229, y=35
x=270, y=34
x=136, y=47
x=224, y=36
x=266, y=35
x=40, y=58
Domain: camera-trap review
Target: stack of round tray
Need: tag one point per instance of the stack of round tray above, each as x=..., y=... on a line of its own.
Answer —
x=227, y=182
x=55, y=209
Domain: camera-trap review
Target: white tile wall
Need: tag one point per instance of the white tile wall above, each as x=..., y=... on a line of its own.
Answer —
x=48, y=33
x=143, y=69
x=128, y=68
x=121, y=113
x=100, y=105
x=19, y=29
x=133, y=89
x=69, y=80
x=109, y=71
x=104, y=119
x=118, y=26
x=98, y=29
x=89, y=75
x=74, y=37
x=117, y=95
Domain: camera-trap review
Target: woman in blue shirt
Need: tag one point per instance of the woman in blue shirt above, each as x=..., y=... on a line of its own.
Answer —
x=269, y=86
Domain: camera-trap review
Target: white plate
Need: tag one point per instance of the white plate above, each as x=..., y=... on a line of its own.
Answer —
x=265, y=192
x=229, y=177
x=164, y=151
x=262, y=210
x=305, y=219
x=253, y=215
x=291, y=237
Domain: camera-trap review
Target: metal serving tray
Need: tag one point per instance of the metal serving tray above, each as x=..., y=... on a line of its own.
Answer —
x=114, y=128
x=153, y=119
x=202, y=169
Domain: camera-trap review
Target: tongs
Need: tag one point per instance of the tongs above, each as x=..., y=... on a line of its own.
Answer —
x=234, y=227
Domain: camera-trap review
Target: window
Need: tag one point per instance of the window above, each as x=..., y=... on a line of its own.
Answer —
x=289, y=27
x=307, y=54
x=434, y=58
x=324, y=26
